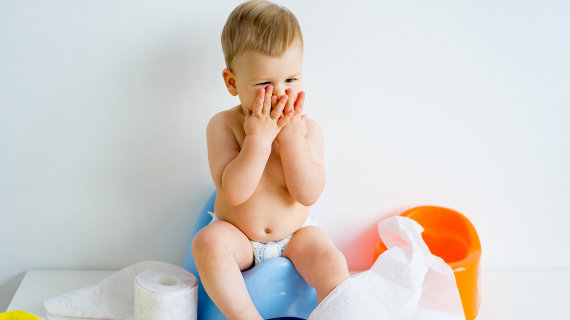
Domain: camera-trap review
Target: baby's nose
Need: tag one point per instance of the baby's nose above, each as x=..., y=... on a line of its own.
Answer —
x=280, y=91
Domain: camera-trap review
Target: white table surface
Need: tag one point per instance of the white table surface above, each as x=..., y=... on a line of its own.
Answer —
x=506, y=294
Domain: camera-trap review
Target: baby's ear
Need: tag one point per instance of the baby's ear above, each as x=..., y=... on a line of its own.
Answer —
x=230, y=81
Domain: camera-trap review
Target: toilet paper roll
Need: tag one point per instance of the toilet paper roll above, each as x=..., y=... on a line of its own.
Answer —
x=166, y=293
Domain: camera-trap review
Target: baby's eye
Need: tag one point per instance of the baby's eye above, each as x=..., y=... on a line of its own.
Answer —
x=267, y=82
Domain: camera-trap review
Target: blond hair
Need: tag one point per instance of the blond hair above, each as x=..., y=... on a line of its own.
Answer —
x=259, y=25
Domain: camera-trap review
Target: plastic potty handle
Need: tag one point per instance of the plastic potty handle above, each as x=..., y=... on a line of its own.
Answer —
x=451, y=236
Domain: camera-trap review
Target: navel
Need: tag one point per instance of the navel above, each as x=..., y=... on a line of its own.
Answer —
x=267, y=231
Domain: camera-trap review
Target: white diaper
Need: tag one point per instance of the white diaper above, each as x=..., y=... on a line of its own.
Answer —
x=272, y=249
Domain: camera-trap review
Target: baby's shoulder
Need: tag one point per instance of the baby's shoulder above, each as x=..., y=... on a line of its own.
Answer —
x=312, y=123
x=227, y=119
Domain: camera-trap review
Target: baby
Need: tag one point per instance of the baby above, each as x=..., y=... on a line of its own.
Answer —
x=266, y=160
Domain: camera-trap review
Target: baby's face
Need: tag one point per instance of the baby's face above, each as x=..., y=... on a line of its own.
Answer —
x=254, y=70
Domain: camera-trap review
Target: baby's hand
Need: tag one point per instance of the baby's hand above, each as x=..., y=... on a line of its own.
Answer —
x=264, y=122
x=293, y=117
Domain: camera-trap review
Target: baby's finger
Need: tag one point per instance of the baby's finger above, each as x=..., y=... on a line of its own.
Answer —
x=289, y=115
x=282, y=122
x=278, y=110
x=274, y=100
x=247, y=115
x=290, y=103
x=300, y=102
x=267, y=101
x=285, y=119
x=258, y=104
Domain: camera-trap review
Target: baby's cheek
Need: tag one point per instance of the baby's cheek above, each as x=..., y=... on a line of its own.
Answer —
x=247, y=102
x=298, y=87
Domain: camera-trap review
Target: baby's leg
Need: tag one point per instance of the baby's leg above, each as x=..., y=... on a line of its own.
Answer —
x=317, y=260
x=221, y=251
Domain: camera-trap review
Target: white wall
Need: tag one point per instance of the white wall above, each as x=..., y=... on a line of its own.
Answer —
x=104, y=105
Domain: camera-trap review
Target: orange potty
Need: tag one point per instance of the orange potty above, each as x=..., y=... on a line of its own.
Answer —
x=449, y=235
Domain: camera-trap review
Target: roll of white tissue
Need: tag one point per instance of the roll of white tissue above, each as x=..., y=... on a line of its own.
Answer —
x=166, y=293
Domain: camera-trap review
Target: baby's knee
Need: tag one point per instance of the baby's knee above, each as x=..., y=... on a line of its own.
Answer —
x=210, y=241
x=334, y=260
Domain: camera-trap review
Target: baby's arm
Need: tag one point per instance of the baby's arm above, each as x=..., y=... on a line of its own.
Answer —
x=236, y=172
x=301, y=145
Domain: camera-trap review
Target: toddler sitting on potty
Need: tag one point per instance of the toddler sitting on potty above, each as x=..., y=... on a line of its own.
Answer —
x=266, y=160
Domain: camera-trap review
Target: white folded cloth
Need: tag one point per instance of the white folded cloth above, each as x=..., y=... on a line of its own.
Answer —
x=406, y=282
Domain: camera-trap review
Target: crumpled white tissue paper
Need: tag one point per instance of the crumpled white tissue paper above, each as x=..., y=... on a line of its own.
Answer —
x=406, y=282
x=112, y=298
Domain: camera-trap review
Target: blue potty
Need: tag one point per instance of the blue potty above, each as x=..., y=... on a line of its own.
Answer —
x=277, y=290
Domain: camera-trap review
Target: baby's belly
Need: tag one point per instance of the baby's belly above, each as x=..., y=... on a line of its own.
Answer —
x=268, y=215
